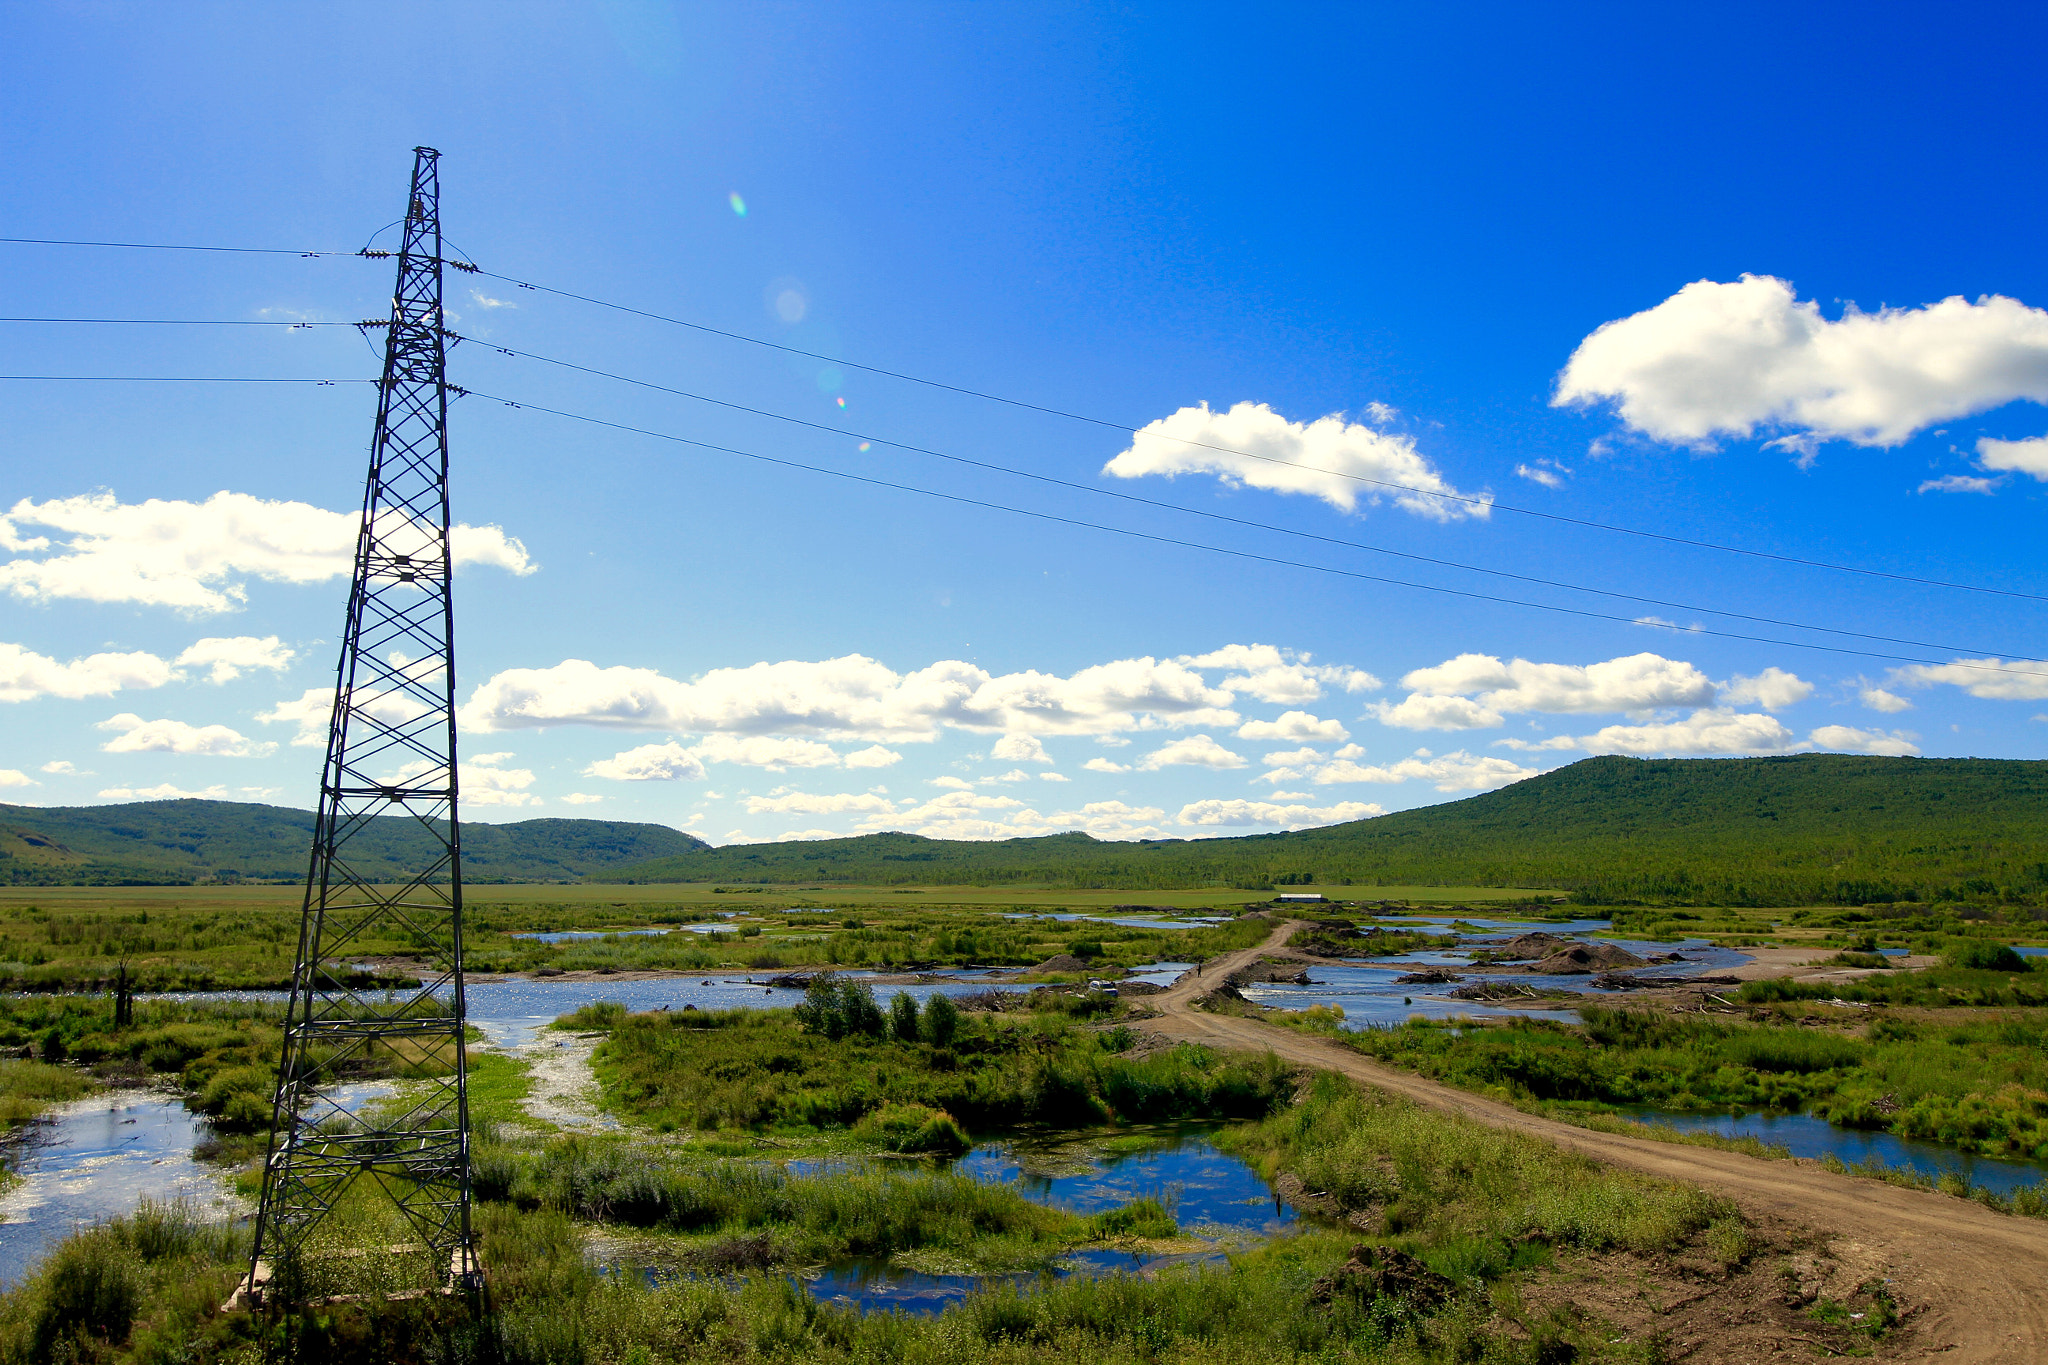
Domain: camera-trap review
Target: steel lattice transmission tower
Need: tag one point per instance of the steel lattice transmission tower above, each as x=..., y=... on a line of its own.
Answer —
x=390, y=752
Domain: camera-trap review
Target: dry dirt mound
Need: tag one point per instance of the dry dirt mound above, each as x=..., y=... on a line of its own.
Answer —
x=1291, y=973
x=1376, y=1272
x=1062, y=962
x=1583, y=959
x=1534, y=945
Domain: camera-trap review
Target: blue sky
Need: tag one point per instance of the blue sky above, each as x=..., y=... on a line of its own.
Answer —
x=1358, y=243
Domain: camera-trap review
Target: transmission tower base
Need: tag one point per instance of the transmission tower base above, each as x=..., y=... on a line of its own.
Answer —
x=465, y=1276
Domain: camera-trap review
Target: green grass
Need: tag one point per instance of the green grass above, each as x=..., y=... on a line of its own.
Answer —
x=226, y=841
x=28, y=1087
x=1454, y=1183
x=1803, y=829
x=1487, y=1210
x=758, y=1070
x=214, y=938
x=1979, y=1086
x=1797, y=830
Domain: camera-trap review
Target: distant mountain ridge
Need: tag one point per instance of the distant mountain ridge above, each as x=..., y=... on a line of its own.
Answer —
x=177, y=842
x=1800, y=829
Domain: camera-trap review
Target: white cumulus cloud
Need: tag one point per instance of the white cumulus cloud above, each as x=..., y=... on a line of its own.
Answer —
x=1635, y=682
x=134, y=735
x=1848, y=739
x=1773, y=689
x=772, y=752
x=165, y=792
x=853, y=697
x=807, y=803
x=64, y=767
x=1020, y=749
x=581, y=798
x=228, y=657
x=15, y=777
x=1104, y=765
x=1959, y=483
x=1273, y=815
x=197, y=556
x=1294, y=725
x=1710, y=730
x=1989, y=679
x=1277, y=675
x=486, y=781
x=1877, y=699
x=874, y=756
x=1452, y=772
x=2028, y=457
x=311, y=711
x=1721, y=359
x=26, y=675
x=669, y=762
x=1430, y=711
x=1343, y=463
x=1198, y=751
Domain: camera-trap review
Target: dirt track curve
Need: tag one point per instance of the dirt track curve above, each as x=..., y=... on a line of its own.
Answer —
x=1978, y=1279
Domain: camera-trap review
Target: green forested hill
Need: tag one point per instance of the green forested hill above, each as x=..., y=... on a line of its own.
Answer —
x=184, y=841
x=1805, y=829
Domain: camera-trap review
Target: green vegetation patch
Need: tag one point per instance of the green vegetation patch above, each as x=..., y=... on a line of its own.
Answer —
x=1802, y=829
x=766, y=1070
x=1980, y=1086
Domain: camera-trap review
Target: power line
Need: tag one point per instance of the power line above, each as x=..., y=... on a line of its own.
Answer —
x=1106, y=423
x=173, y=246
x=188, y=322
x=1252, y=455
x=175, y=379
x=1225, y=550
x=1028, y=474
x=1225, y=517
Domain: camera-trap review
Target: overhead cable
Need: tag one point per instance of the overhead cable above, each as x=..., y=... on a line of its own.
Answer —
x=1225, y=517
x=1048, y=410
x=1233, y=553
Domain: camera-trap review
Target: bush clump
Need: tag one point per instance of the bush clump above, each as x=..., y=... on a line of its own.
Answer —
x=913, y=1129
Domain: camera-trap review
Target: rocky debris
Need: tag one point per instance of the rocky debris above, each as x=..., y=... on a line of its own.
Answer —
x=1224, y=992
x=1529, y=946
x=1428, y=976
x=1292, y=1191
x=793, y=981
x=1129, y=989
x=1287, y=973
x=730, y=1255
x=991, y=1001
x=1062, y=962
x=1629, y=981
x=1376, y=1272
x=1505, y=990
x=1584, y=959
x=1667, y=957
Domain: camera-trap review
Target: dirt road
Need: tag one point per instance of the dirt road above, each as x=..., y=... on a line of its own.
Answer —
x=1978, y=1279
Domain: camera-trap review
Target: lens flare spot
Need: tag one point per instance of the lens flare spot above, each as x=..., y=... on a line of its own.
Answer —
x=841, y=401
x=864, y=445
x=739, y=205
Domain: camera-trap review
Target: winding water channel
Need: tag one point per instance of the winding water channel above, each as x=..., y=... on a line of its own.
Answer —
x=95, y=1158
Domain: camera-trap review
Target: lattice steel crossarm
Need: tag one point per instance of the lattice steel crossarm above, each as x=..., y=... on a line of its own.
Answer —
x=391, y=751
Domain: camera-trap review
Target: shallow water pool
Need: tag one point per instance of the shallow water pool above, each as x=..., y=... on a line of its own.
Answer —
x=1214, y=1195
x=95, y=1158
x=1809, y=1135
